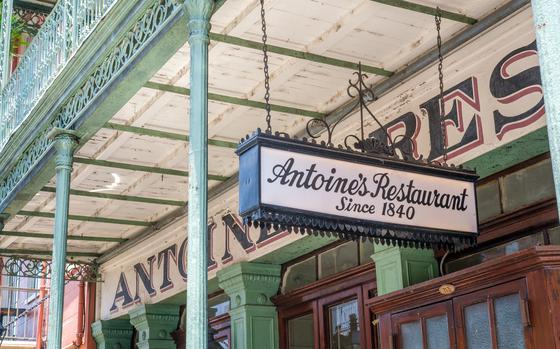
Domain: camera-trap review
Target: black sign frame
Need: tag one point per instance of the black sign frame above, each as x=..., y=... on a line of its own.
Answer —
x=255, y=212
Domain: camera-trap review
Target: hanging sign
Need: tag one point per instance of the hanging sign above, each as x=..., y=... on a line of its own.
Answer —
x=308, y=187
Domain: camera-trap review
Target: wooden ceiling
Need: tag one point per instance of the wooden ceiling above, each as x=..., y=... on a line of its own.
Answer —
x=133, y=175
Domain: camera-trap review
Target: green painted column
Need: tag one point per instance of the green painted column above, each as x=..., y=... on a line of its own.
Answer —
x=154, y=324
x=547, y=28
x=198, y=12
x=112, y=334
x=65, y=143
x=400, y=267
x=254, y=320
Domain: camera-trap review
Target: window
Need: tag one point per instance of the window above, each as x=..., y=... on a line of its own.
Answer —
x=300, y=332
x=329, y=313
x=328, y=262
x=495, y=318
x=425, y=328
x=344, y=327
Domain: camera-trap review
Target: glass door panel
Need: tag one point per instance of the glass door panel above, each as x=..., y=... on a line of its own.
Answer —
x=437, y=332
x=477, y=326
x=344, y=326
x=411, y=334
x=300, y=332
x=493, y=318
x=509, y=327
x=425, y=328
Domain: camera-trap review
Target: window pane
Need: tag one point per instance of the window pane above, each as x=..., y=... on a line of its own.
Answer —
x=411, y=334
x=508, y=322
x=477, y=326
x=437, y=332
x=338, y=259
x=344, y=326
x=527, y=186
x=366, y=250
x=300, y=332
x=299, y=275
x=488, y=200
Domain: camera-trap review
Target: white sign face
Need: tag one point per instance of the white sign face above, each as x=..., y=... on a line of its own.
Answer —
x=365, y=192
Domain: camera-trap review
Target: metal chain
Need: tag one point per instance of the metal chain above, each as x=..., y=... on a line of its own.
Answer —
x=265, y=69
x=441, y=93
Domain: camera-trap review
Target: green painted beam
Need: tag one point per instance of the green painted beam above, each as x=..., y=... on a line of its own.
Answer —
x=165, y=135
x=234, y=100
x=70, y=237
x=308, y=56
x=408, y=5
x=26, y=252
x=149, y=169
x=87, y=218
x=120, y=197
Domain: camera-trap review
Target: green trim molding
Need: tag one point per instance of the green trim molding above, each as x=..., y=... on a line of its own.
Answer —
x=111, y=334
x=412, y=6
x=74, y=217
x=308, y=56
x=154, y=323
x=254, y=319
x=510, y=154
x=400, y=267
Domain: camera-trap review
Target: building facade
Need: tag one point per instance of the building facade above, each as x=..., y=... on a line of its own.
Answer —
x=95, y=179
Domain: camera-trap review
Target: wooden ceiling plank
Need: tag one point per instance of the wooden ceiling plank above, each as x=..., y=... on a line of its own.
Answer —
x=142, y=168
x=110, y=196
x=235, y=100
x=165, y=135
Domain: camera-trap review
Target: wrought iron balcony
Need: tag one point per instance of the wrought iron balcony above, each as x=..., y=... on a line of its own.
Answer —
x=64, y=31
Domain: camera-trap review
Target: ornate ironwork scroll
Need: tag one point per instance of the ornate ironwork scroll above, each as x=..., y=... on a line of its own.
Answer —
x=21, y=266
x=33, y=18
x=382, y=147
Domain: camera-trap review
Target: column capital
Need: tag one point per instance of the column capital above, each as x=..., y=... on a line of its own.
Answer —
x=199, y=13
x=250, y=283
x=112, y=334
x=65, y=143
x=154, y=323
x=249, y=287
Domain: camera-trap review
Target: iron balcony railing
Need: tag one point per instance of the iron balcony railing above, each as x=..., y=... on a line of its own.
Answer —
x=64, y=31
x=19, y=313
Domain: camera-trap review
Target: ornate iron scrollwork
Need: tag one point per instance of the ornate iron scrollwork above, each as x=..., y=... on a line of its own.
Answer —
x=20, y=266
x=382, y=147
